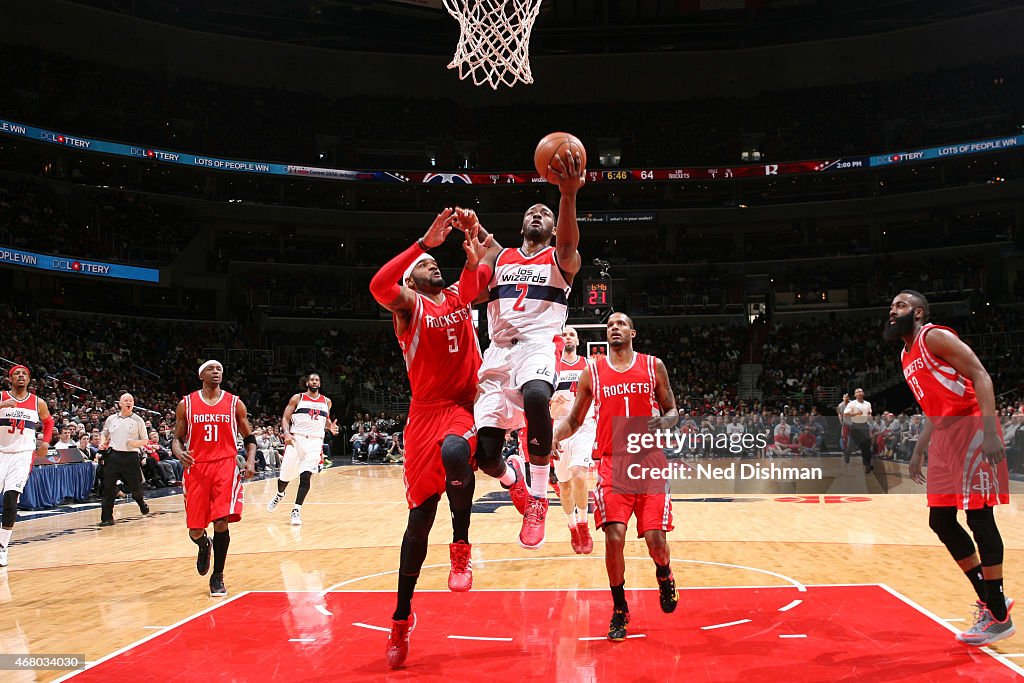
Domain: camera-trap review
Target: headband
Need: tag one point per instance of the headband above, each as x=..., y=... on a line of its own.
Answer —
x=408, y=271
x=208, y=364
x=10, y=373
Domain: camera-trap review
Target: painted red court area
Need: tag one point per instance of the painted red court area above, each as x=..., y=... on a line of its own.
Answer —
x=835, y=633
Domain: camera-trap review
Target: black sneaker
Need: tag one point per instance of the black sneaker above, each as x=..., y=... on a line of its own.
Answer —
x=203, y=559
x=667, y=594
x=217, y=589
x=106, y=522
x=144, y=508
x=617, y=627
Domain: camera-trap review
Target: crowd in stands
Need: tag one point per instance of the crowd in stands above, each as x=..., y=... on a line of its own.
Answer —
x=192, y=115
x=82, y=222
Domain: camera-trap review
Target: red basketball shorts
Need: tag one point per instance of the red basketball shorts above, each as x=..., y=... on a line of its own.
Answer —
x=213, y=490
x=653, y=511
x=958, y=474
x=428, y=424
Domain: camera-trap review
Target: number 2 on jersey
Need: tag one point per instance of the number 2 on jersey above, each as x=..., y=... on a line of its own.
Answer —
x=518, y=305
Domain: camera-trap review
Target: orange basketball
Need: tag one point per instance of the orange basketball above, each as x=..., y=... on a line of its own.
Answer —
x=557, y=143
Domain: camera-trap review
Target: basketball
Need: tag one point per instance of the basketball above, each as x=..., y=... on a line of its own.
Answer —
x=560, y=144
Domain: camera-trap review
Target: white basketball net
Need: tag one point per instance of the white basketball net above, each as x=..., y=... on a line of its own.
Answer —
x=494, y=46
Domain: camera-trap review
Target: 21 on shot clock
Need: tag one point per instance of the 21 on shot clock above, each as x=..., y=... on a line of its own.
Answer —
x=597, y=295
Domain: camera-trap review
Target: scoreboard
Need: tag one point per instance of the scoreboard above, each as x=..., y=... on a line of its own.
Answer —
x=597, y=296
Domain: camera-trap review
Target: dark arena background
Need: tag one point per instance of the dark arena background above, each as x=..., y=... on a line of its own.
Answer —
x=220, y=180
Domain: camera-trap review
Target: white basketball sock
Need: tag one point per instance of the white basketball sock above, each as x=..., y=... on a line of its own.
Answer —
x=539, y=480
x=509, y=477
x=5, y=537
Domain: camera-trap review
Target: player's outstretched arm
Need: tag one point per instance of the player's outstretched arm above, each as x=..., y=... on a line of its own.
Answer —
x=479, y=259
x=286, y=419
x=245, y=431
x=43, y=442
x=666, y=399
x=571, y=177
x=386, y=287
x=954, y=351
x=584, y=397
x=180, y=434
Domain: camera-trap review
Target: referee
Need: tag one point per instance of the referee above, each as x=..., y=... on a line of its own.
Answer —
x=124, y=433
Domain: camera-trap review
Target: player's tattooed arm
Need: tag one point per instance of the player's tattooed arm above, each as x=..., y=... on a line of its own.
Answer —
x=666, y=399
x=180, y=434
x=286, y=419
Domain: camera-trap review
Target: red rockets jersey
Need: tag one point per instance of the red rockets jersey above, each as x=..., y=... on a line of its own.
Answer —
x=211, y=428
x=441, y=349
x=629, y=393
x=938, y=388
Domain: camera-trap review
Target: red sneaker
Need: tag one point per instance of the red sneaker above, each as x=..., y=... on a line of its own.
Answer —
x=518, y=492
x=531, y=536
x=460, y=578
x=586, y=542
x=398, y=641
x=574, y=538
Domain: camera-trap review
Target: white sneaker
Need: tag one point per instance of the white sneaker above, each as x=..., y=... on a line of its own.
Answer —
x=296, y=518
x=272, y=505
x=3, y=557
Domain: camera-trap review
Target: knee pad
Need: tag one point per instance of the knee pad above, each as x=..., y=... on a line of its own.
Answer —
x=956, y=539
x=986, y=534
x=536, y=401
x=489, y=441
x=455, y=458
x=10, y=514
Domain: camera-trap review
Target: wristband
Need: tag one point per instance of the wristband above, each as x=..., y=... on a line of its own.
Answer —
x=422, y=245
x=249, y=440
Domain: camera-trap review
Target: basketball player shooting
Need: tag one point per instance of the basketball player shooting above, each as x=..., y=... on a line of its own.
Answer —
x=527, y=307
x=305, y=422
x=966, y=458
x=204, y=441
x=626, y=384
x=434, y=326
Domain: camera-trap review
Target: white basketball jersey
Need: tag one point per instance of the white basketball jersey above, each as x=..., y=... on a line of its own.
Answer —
x=310, y=416
x=529, y=297
x=568, y=380
x=18, y=424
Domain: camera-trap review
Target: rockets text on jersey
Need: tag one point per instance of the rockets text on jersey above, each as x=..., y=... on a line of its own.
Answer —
x=621, y=393
x=938, y=388
x=211, y=426
x=441, y=349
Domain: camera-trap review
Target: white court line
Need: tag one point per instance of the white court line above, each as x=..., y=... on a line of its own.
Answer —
x=790, y=606
x=954, y=620
x=725, y=625
x=323, y=610
x=302, y=640
x=792, y=635
x=124, y=649
x=372, y=628
x=931, y=615
x=796, y=584
x=503, y=640
x=638, y=635
x=155, y=627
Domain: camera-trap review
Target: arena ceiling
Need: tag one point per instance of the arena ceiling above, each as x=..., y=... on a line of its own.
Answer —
x=564, y=27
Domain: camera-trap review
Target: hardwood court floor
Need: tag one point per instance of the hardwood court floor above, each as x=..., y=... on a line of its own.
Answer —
x=72, y=587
